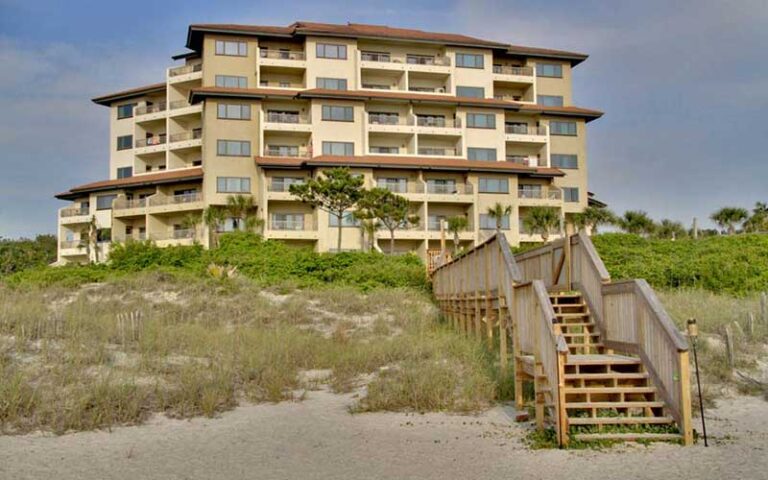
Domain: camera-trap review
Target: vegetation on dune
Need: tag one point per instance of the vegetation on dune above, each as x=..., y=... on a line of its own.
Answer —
x=201, y=346
x=18, y=255
x=265, y=261
x=727, y=264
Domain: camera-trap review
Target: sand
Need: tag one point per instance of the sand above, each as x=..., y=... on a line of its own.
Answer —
x=319, y=439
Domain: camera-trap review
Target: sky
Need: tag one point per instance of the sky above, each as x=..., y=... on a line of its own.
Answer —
x=683, y=84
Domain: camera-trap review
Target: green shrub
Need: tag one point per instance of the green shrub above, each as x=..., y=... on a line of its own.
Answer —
x=18, y=255
x=264, y=261
x=736, y=264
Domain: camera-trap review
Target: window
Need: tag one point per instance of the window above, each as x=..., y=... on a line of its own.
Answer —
x=549, y=70
x=287, y=221
x=124, y=172
x=550, y=100
x=329, y=50
x=396, y=185
x=337, y=114
x=283, y=184
x=234, y=111
x=339, y=148
x=481, y=120
x=231, y=81
x=469, y=60
x=489, y=223
x=493, y=185
x=562, y=128
x=487, y=154
x=104, y=202
x=571, y=194
x=332, y=83
x=125, y=111
x=233, y=184
x=561, y=160
x=125, y=142
x=235, y=49
x=104, y=235
x=233, y=148
x=348, y=220
x=472, y=92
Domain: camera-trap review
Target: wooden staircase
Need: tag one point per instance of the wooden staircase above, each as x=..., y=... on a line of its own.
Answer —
x=607, y=396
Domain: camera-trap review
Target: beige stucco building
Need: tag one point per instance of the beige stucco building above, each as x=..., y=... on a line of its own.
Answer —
x=453, y=123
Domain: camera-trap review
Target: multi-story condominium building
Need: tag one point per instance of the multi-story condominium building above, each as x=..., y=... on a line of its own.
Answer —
x=453, y=123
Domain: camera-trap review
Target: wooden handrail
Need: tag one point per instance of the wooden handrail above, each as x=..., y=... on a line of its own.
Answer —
x=584, y=241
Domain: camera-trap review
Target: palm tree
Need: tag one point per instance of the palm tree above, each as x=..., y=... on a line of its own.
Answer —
x=191, y=221
x=729, y=217
x=542, y=220
x=457, y=224
x=499, y=212
x=93, y=240
x=758, y=222
x=214, y=217
x=368, y=228
x=593, y=217
x=242, y=208
x=670, y=229
x=636, y=222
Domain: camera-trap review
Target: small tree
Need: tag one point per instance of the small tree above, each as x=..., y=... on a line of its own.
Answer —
x=93, y=240
x=391, y=210
x=191, y=221
x=729, y=217
x=242, y=208
x=542, y=220
x=670, y=229
x=457, y=224
x=335, y=192
x=214, y=217
x=592, y=217
x=498, y=212
x=637, y=222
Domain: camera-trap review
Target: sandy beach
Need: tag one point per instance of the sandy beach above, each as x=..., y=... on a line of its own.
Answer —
x=319, y=439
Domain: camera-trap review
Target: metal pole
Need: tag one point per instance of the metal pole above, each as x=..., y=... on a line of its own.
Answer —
x=693, y=333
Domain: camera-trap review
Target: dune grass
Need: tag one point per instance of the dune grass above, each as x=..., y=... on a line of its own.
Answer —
x=202, y=347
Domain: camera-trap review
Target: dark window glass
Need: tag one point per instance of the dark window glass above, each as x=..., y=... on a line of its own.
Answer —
x=472, y=92
x=124, y=172
x=481, y=120
x=329, y=50
x=561, y=160
x=125, y=142
x=125, y=111
x=562, y=128
x=487, y=154
x=549, y=70
x=550, y=100
x=469, y=60
x=337, y=114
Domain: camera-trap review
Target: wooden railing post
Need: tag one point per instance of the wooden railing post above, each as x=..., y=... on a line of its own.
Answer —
x=686, y=427
x=488, y=310
x=503, y=311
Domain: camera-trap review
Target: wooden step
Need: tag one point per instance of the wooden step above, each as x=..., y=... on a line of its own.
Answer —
x=621, y=389
x=578, y=324
x=626, y=437
x=598, y=359
x=572, y=315
x=606, y=376
x=581, y=334
x=619, y=420
x=590, y=405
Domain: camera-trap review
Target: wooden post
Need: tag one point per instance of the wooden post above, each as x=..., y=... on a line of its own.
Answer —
x=764, y=307
x=442, y=236
x=568, y=255
x=685, y=399
x=476, y=290
x=751, y=325
x=502, y=313
x=695, y=228
x=729, y=347
x=562, y=415
x=488, y=310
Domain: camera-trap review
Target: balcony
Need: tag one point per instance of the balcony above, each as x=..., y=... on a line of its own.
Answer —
x=151, y=144
x=185, y=73
x=522, y=133
x=387, y=123
x=285, y=151
x=401, y=187
x=72, y=247
x=513, y=74
x=439, y=151
x=281, y=190
x=287, y=122
x=123, y=207
x=150, y=113
x=436, y=125
x=175, y=236
x=450, y=192
x=282, y=58
x=540, y=195
x=159, y=203
x=189, y=139
x=179, y=108
x=411, y=62
x=300, y=227
x=72, y=215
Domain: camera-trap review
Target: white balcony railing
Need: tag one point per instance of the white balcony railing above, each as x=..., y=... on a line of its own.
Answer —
x=154, y=108
x=525, y=130
x=543, y=193
x=438, y=122
x=151, y=141
x=511, y=70
x=195, y=134
x=181, y=199
x=283, y=117
x=66, y=244
x=439, y=151
x=73, y=212
x=282, y=54
x=125, y=204
x=402, y=187
x=285, y=151
x=450, y=188
x=185, y=69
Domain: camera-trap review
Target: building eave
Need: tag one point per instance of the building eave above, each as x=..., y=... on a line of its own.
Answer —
x=110, y=98
x=136, y=181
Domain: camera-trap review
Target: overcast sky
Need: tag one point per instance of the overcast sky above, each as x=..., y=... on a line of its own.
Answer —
x=684, y=85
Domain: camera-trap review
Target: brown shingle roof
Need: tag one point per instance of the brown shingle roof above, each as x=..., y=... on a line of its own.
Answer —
x=360, y=30
x=132, y=92
x=171, y=176
x=198, y=94
x=420, y=163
